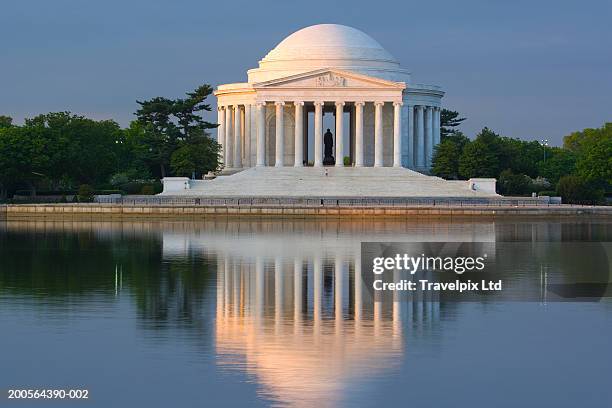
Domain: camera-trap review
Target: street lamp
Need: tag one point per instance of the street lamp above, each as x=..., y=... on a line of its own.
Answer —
x=544, y=144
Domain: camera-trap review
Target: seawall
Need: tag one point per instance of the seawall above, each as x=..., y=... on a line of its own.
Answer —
x=101, y=211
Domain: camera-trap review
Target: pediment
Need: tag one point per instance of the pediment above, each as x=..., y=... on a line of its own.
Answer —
x=329, y=78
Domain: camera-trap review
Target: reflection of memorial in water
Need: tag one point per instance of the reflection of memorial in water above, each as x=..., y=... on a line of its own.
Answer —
x=293, y=312
x=303, y=328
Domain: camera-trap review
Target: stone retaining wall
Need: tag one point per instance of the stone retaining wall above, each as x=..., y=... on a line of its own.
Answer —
x=159, y=211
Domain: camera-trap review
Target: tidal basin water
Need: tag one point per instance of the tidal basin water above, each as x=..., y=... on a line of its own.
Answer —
x=270, y=313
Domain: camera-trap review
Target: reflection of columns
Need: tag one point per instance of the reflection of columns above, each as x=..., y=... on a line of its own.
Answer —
x=247, y=135
x=259, y=287
x=261, y=134
x=358, y=290
x=397, y=310
x=420, y=144
x=221, y=130
x=278, y=289
x=318, y=134
x=410, y=125
x=397, y=134
x=359, y=134
x=220, y=285
x=229, y=152
x=378, y=134
x=228, y=279
x=429, y=135
x=297, y=290
x=318, y=288
x=338, y=275
x=237, y=137
x=339, y=134
x=280, y=134
x=299, y=134
x=236, y=287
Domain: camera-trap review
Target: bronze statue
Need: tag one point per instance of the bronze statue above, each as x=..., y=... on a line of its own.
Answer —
x=328, y=140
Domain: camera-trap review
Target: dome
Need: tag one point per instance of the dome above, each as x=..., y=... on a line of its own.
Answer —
x=330, y=42
x=328, y=46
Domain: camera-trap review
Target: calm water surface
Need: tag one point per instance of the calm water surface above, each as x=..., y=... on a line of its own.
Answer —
x=269, y=313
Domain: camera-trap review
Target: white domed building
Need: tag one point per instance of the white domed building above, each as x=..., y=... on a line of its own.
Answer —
x=328, y=95
x=382, y=118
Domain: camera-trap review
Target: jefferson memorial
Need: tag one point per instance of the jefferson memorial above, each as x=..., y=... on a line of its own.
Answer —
x=328, y=111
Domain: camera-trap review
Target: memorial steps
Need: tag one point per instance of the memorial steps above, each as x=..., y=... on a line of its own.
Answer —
x=339, y=182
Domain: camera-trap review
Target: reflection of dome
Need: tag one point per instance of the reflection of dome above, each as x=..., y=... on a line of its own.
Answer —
x=328, y=46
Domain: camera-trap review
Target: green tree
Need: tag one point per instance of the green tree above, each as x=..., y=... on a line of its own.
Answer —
x=594, y=163
x=481, y=158
x=445, y=162
x=197, y=158
x=510, y=183
x=449, y=120
x=169, y=124
x=560, y=162
x=5, y=121
x=575, y=190
x=23, y=158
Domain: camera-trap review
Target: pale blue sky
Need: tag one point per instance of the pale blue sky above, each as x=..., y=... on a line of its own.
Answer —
x=528, y=69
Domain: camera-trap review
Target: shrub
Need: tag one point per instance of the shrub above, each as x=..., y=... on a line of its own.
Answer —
x=347, y=161
x=86, y=193
x=550, y=193
x=513, y=184
x=575, y=190
x=147, y=190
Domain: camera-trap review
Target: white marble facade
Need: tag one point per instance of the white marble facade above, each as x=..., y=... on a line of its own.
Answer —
x=381, y=118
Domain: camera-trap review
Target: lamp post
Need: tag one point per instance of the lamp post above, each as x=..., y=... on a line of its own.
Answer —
x=544, y=144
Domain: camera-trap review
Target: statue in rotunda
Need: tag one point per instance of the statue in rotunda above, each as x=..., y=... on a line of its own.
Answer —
x=328, y=140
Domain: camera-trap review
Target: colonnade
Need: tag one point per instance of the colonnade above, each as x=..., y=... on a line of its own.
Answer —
x=420, y=134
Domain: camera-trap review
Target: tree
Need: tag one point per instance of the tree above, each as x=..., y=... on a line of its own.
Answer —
x=168, y=124
x=575, y=190
x=5, y=121
x=510, y=183
x=560, y=162
x=197, y=158
x=445, y=162
x=481, y=158
x=23, y=158
x=160, y=133
x=594, y=163
x=449, y=120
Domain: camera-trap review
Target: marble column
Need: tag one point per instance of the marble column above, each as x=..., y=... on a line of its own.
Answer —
x=410, y=141
x=420, y=144
x=318, y=134
x=378, y=134
x=237, y=137
x=280, y=134
x=339, y=134
x=397, y=134
x=436, y=126
x=221, y=130
x=359, y=134
x=429, y=135
x=299, y=134
x=261, y=134
x=229, y=152
x=247, y=135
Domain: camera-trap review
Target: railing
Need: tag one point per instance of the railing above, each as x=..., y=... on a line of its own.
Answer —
x=302, y=202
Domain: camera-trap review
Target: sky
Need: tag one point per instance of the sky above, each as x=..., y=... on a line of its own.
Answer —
x=527, y=69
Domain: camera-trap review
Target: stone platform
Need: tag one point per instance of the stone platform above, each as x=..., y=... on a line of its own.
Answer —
x=338, y=182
